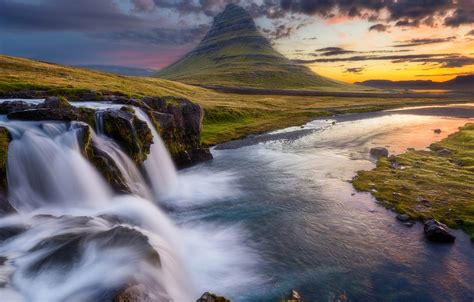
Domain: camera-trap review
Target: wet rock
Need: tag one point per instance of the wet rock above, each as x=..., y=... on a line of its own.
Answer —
x=5, y=206
x=131, y=133
x=379, y=152
x=403, y=217
x=103, y=162
x=11, y=106
x=65, y=250
x=69, y=113
x=444, y=152
x=8, y=232
x=55, y=102
x=437, y=131
x=208, y=297
x=135, y=293
x=438, y=232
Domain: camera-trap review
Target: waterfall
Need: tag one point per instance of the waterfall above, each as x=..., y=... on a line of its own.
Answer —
x=78, y=235
x=159, y=165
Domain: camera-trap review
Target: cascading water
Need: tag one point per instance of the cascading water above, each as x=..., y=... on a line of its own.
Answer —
x=159, y=166
x=78, y=241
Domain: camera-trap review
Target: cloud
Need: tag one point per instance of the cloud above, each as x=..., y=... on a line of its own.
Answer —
x=461, y=17
x=332, y=51
x=440, y=60
x=471, y=33
x=159, y=36
x=425, y=41
x=59, y=15
x=354, y=70
x=378, y=27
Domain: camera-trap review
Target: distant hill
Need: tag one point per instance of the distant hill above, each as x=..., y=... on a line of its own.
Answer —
x=234, y=54
x=25, y=74
x=122, y=70
x=458, y=83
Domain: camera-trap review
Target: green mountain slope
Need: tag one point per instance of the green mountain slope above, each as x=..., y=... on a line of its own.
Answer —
x=235, y=54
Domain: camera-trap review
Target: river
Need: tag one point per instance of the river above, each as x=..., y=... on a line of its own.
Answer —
x=287, y=217
x=269, y=214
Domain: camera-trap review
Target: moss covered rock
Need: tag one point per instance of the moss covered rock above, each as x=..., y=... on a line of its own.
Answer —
x=131, y=133
x=102, y=162
x=5, y=139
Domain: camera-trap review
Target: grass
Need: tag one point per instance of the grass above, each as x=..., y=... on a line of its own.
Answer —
x=228, y=116
x=424, y=184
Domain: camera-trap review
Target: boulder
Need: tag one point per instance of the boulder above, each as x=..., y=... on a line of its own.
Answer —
x=61, y=113
x=379, y=152
x=208, y=297
x=55, y=102
x=102, y=161
x=438, y=232
x=444, y=152
x=131, y=133
x=11, y=106
x=403, y=217
x=437, y=131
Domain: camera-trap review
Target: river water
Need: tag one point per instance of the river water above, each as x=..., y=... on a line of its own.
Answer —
x=269, y=214
x=287, y=217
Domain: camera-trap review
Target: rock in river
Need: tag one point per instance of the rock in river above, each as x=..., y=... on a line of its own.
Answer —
x=438, y=232
x=379, y=152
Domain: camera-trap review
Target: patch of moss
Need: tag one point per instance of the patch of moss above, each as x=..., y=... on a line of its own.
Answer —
x=5, y=139
x=425, y=184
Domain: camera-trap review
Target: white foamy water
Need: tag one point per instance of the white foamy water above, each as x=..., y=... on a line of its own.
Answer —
x=73, y=243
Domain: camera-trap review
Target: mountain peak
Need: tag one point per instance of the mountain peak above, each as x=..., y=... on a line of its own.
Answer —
x=233, y=20
x=235, y=54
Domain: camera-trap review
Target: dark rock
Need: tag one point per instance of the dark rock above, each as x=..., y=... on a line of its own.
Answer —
x=55, y=102
x=8, y=232
x=11, y=106
x=56, y=114
x=379, y=152
x=437, y=131
x=444, y=152
x=438, y=232
x=131, y=133
x=134, y=293
x=2, y=261
x=102, y=161
x=156, y=103
x=5, y=206
x=65, y=250
x=208, y=297
x=403, y=217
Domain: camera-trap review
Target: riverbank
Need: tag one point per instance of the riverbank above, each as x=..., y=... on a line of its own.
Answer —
x=428, y=184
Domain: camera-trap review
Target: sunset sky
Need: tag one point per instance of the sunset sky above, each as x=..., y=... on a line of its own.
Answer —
x=347, y=40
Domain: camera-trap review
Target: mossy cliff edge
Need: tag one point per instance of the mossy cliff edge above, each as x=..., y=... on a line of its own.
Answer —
x=178, y=121
x=435, y=184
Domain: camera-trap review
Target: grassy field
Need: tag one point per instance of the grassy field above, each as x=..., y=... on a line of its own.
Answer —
x=228, y=116
x=424, y=184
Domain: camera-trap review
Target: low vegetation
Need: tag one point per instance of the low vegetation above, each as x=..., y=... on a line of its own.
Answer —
x=428, y=184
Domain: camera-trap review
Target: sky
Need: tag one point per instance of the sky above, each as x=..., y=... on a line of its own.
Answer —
x=348, y=40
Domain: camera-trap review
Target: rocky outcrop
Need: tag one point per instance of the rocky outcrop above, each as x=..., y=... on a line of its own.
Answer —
x=179, y=123
x=438, y=232
x=208, y=297
x=131, y=133
x=53, y=108
x=379, y=152
x=178, y=120
x=102, y=161
x=5, y=138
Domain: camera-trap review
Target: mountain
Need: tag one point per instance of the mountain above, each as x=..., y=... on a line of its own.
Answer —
x=234, y=54
x=458, y=83
x=122, y=70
